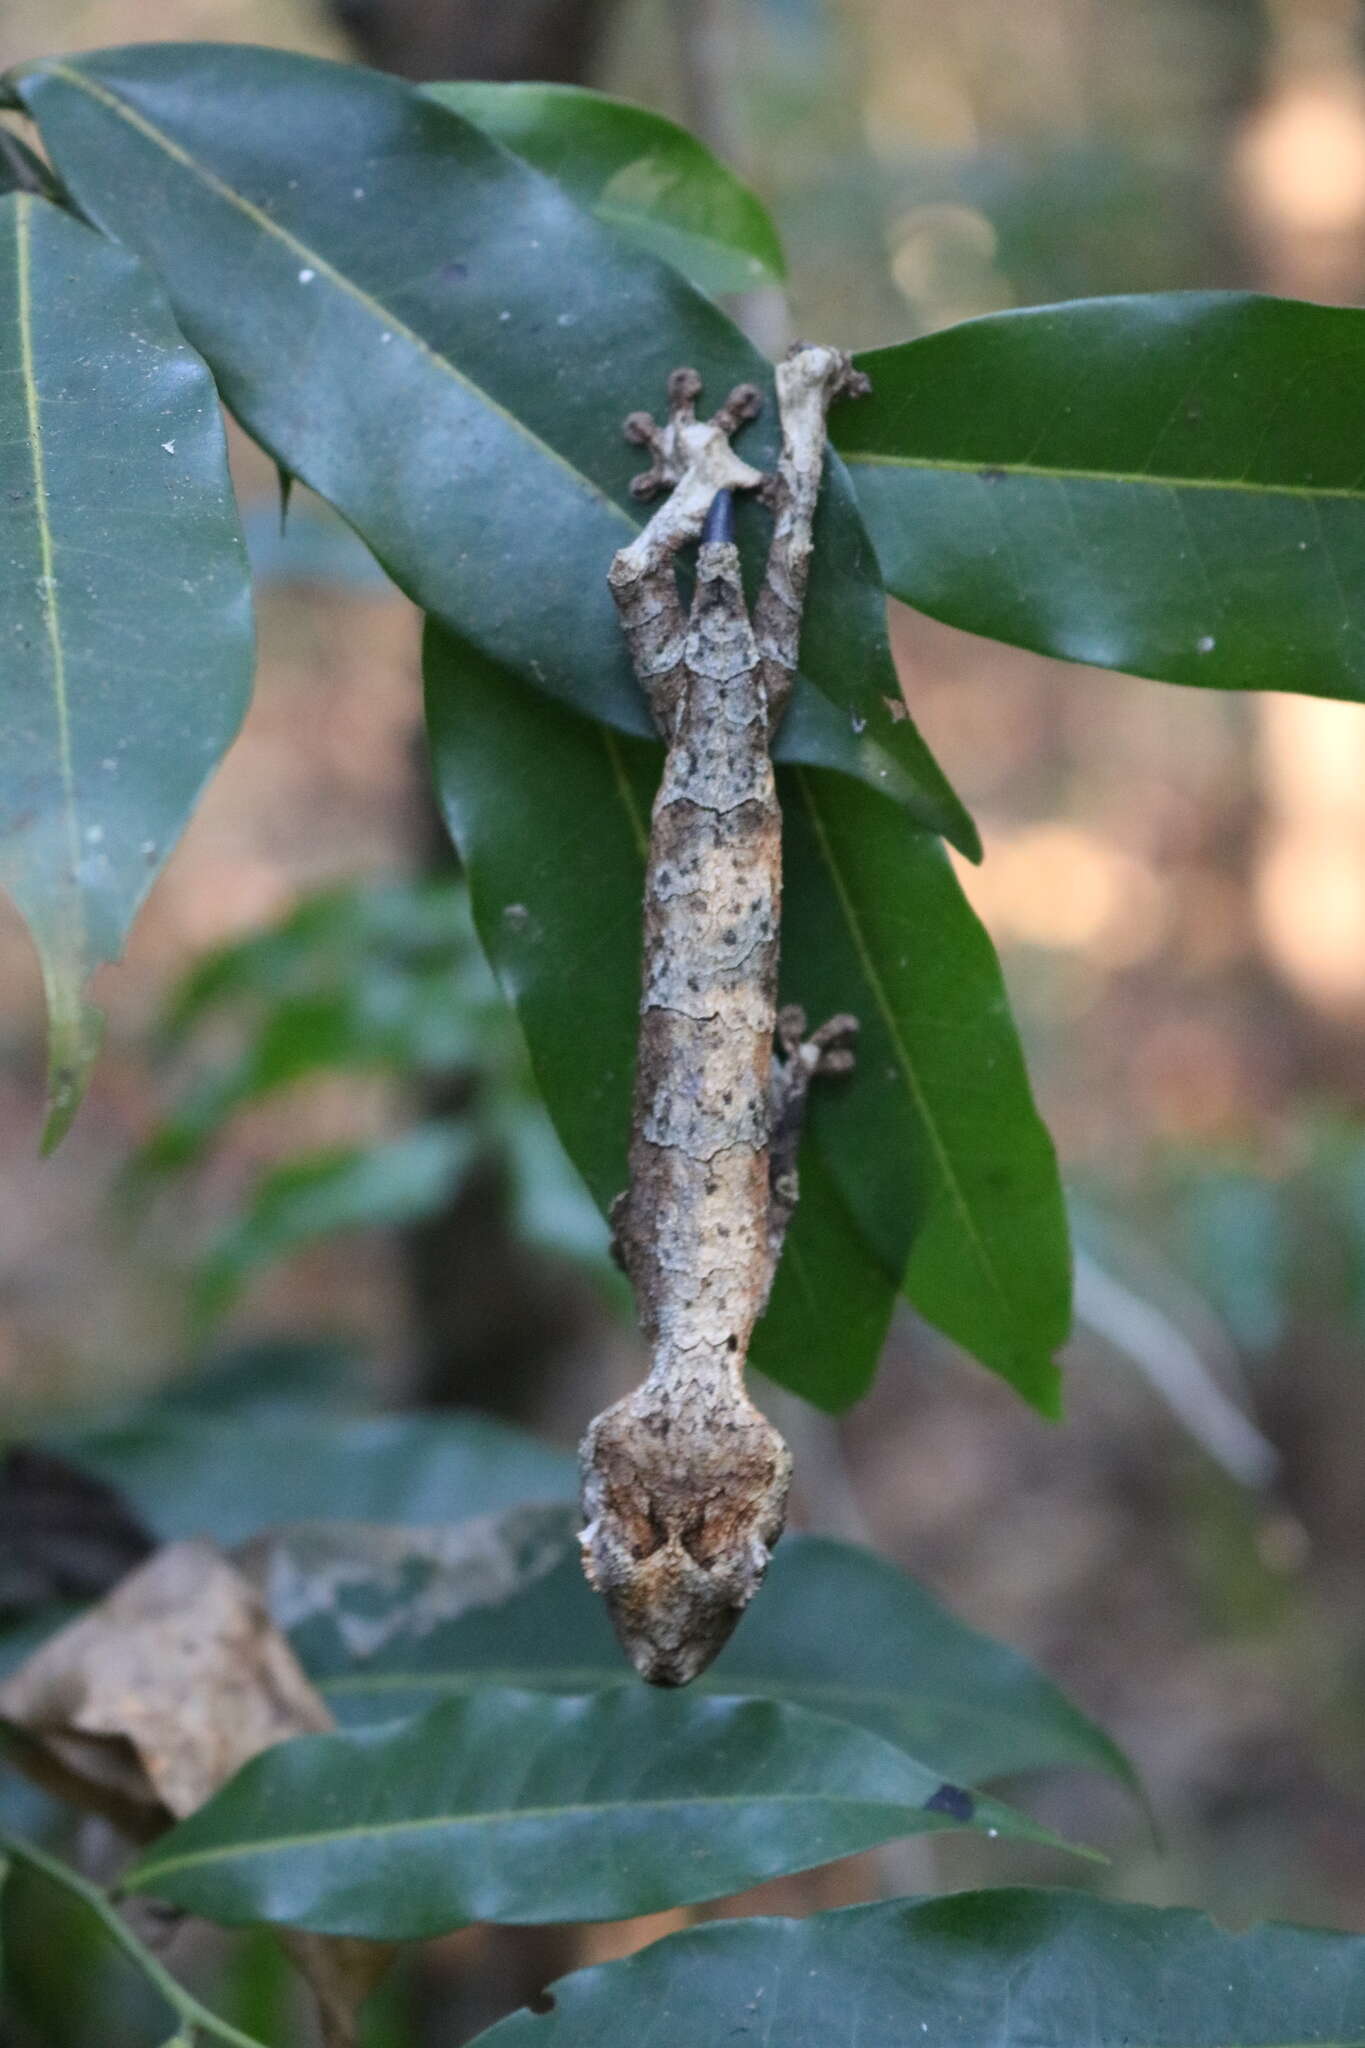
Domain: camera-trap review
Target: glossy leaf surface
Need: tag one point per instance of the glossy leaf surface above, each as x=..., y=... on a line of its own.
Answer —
x=527, y=1807
x=639, y=172
x=124, y=589
x=837, y=1630
x=933, y=1143
x=208, y=1475
x=444, y=346
x=1171, y=485
x=1012, y=1969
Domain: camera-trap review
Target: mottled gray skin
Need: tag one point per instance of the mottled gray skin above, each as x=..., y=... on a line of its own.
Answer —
x=685, y=1482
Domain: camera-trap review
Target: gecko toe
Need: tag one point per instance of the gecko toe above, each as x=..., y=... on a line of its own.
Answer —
x=744, y=403
x=684, y=389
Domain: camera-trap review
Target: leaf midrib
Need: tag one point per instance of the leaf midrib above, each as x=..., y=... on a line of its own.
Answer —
x=432, y=1823
x=1045, y=473
x=314, y=259
x=23, y=206
x=956, y=1193
x=475, y=1678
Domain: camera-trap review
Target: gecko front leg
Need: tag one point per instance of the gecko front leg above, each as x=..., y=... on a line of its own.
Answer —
x=684, y=1481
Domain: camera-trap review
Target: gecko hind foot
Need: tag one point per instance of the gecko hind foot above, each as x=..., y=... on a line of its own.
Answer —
x=670, y=445
x=833, y=1045
x=832, y=366
x=828, y=1050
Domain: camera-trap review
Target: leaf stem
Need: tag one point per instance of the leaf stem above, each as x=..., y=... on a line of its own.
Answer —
x=25, y=173
x=194, y=2018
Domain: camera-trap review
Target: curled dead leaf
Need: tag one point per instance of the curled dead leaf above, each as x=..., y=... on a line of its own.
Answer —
x=146, y=1705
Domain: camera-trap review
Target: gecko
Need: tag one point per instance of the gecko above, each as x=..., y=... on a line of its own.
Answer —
x=685, y=1482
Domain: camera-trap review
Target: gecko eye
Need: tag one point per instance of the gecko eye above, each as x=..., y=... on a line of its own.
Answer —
x=650, y=1533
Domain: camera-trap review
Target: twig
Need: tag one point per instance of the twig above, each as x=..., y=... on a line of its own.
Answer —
x=708, y=66
x=709, y=63
x=193, y=2017
x=1174, y=1368
x=684, y=1482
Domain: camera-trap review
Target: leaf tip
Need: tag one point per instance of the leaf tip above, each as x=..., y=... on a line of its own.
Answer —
x=1044, y=1391
x=963, y=836
x=75, y=1029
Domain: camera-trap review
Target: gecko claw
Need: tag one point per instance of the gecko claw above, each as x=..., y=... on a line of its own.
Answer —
x=790, y=1029
x=833, y=1046
x=643, y=431
x=684, y=389
x=744, y=403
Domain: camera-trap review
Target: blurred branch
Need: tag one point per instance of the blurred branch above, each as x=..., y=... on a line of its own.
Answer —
x=488, y=1318
x=1174, y=1368
x=708, y=65
x=194, y=2018
x=710, y=61
x=556, y=40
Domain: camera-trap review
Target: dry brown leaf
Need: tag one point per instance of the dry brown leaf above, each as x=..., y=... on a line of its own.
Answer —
x=149, y=1703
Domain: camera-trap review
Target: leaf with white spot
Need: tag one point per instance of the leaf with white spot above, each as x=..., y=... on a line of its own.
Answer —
x=124, y=597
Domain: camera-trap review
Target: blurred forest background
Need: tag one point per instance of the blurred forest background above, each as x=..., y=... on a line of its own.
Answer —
x=1176, y=880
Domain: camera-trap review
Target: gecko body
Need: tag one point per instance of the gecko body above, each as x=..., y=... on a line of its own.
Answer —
x=684, y=1481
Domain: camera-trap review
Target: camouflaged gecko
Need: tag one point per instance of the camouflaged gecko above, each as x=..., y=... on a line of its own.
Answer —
x=685, y=1482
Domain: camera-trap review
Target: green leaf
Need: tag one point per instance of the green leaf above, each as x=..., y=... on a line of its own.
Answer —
x=934, y=1143
x=1169, y=485
x=826, y=1321
x=123, y=585
x=385, y=977
x=1018, y=1969
x=394, y=943
x=637, y=171
x=432, y=336
x=196, y=1475
x=558, y=910
x=528, y=1807
x=932, y=1152
x=348, y=1188
x=837, y=1630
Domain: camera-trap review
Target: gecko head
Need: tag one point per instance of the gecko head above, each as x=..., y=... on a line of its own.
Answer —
x=682, y=1510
